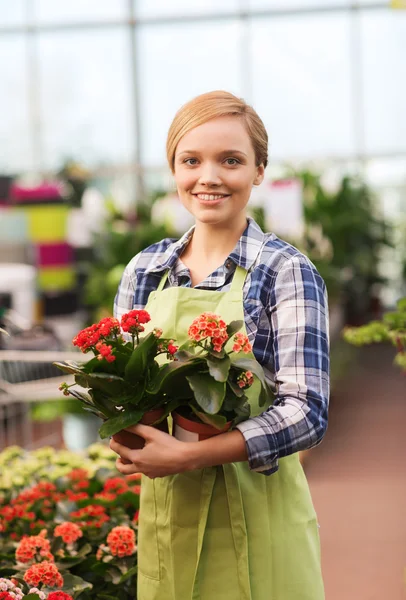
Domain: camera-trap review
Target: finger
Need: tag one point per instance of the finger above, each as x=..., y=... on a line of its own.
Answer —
x=126, y=468
x=121, y=450
x=145, y=431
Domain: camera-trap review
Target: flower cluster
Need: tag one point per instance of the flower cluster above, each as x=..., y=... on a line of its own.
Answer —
x=133, y=321
x=34, y=548
x=211, y=327
x=44, y=573
x=126, y=368
x=93, y=516
x=31, y=546
x=241, y=343
x=121, y=541
x=9, y=589
x=245, y=380
x=167, y=347
x=89, y=337
x=69, y=532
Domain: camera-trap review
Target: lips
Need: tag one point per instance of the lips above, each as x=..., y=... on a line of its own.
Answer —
x=210, y=197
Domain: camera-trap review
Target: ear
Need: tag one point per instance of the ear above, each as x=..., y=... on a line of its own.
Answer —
x=259, y=177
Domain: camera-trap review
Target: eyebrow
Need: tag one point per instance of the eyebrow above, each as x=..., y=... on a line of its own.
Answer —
x=222, y=153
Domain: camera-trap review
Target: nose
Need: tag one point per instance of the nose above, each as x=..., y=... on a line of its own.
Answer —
x=209, y=175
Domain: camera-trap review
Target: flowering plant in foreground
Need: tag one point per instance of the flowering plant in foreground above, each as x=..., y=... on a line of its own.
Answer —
x=211, y=373
x=70, y=534
x=120, y=375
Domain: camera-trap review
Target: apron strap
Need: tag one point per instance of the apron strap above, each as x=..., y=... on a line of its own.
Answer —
x=163, y=281
x=207, y=485
x=238, y=528
x=237, y=520
x=238, y=281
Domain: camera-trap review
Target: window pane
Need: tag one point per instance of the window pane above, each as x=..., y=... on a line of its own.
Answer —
x=12, y=13
x=161, y=8
x=384, y=78
x=15, y=129
x=301, y=90
x=173, y=69
x=49, y=11
x=85, y=87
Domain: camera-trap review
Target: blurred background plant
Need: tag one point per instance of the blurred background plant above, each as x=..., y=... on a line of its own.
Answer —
x=391, y=328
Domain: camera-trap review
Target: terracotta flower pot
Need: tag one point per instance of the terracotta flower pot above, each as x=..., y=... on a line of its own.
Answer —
x=187, y=430
x=136, y=442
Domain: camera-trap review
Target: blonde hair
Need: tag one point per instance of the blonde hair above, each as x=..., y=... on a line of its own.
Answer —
x=212, y=105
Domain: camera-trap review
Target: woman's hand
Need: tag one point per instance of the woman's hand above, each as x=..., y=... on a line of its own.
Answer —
x=161, y=455
x=165, y=455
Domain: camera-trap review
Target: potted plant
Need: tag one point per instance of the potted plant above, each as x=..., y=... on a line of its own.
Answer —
x=391, y=328
x=119, y=376
x=212, y=376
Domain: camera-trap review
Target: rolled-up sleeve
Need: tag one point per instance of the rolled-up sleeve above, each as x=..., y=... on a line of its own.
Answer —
x=297, y=311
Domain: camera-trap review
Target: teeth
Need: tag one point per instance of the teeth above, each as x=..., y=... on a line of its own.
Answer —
x=209, y=196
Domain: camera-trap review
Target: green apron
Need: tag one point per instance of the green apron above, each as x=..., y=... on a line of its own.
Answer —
x=225, y=532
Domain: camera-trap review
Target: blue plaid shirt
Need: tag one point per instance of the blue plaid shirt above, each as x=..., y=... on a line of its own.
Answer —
x=286, y=316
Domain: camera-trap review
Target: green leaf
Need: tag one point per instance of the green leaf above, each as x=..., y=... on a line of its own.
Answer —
x=139, y=359
x=69, y=367
x=108, y=383
x=249, y=364
x=217, y=421
x=164, y=380
x=31, y=597
x=73, y=583
x=237, y=391
x=209, y=394
x=219, y=368
x=116, y=424
x=233, y=327
x=130, y=573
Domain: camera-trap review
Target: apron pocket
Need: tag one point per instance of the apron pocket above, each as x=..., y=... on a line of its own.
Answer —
x=148, y=552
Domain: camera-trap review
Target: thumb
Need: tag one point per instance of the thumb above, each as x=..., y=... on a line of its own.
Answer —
x=145, y=431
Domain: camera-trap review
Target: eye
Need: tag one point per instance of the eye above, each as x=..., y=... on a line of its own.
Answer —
x=190, y=161
x=232, y=161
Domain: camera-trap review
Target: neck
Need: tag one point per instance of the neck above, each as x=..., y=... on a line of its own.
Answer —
x=215, y=242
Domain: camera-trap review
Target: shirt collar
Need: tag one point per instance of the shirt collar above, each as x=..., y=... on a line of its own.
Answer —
x=244, y=254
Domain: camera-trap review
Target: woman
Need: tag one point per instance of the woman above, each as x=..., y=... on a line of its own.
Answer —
x=231, y=517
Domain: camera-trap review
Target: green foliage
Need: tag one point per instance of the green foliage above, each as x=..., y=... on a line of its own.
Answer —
x=122, y=238
x=349, y=219
x=391, y=328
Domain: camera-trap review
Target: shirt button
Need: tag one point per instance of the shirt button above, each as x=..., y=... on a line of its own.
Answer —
x=228, y=263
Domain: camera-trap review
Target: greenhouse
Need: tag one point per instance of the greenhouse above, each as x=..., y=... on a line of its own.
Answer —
x=202, y=299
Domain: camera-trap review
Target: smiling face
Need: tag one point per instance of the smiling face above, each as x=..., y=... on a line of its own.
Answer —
x=215, y=170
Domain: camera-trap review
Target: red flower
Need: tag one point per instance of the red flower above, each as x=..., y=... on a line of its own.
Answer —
x=59, y=596
x=105, y=351
x=245, y=380
x=33, y=548
x=115, y=484
x=90, y=516
x=171, y=348
x=108, y=326
x=46, y=573
x=241, y=343
x=132, y=322
x=78, y=474
x=121, y=541
x=69, y=532
x=209, y=326
x=6, y=596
